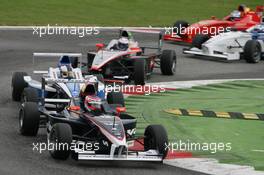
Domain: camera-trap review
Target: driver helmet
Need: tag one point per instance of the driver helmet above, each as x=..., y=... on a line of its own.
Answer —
x=93, y=103
x=242, y=8
x=235, y=14
x=122, y=43
x=66, y=71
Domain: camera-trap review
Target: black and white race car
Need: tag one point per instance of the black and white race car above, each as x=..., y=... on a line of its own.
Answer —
x=88, y=125
x=124, y=59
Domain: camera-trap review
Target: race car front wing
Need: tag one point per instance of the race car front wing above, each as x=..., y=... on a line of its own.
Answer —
x=211, y=53
x=151, y=155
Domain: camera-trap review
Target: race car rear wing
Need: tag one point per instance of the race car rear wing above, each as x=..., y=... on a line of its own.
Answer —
x=55, y=55
x=47, y=80
x=125, y=32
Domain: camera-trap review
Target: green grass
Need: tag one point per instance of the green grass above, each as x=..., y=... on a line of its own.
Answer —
x=114, y=12
x=244, y=135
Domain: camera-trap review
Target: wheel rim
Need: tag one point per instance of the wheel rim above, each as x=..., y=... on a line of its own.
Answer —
x=173, y=66
x=257, y=54
x=21, y=118
x=52, y=140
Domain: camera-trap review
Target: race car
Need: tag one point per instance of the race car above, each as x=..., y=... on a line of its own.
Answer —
x=240, y=19
x=89, y=127
x=124, y=59
x=232, y=45
x=66, y=68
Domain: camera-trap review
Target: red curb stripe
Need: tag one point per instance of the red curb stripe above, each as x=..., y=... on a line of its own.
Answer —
x=171, y=154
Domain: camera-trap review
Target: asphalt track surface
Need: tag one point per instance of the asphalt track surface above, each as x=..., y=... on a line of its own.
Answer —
x=16, y=154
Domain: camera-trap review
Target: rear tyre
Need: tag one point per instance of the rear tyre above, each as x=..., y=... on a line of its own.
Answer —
x=139, y=72
x=252, y=51
x=155, y=137
x=168, y=62
x=178, y=25
x=74, y=62
x=29, y=95
x=18, y=84
x=116, y=98
x=60, y=135
x=29, y=119
x=199, y=39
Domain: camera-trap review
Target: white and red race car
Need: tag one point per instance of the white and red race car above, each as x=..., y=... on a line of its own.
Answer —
x=230, y=46
x=124, y=59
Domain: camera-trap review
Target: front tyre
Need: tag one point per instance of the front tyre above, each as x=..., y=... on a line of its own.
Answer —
x=29, y=95
x=139, y=72
x=61, y=137
x=199, y=39
x=178, y=26
x=168, y=62
x=29, y=117
x=156, y=138
x=252, y=51
x=18, y=84
x=116, y=98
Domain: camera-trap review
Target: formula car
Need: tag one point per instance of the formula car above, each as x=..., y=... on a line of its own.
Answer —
x=89, y=127
x=22, y=84
x=232, y=45
x=124, y=59
x=240, y=19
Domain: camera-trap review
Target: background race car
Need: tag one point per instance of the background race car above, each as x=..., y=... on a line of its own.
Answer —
x=125, y=59
x=240, y=19
x=232, y=45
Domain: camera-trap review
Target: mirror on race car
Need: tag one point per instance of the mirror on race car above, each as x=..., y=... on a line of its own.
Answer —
x=120, y=109
x=99, y=46
x=74, y=108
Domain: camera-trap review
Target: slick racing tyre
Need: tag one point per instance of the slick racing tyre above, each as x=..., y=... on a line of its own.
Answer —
x=178, y=25
x=74, y=62
x=252, y=51
x=18, y=84
x=199, y=39
x=168, y=62
x=116, y=98
x=156, y=138
x=29, y=95
x=139, y=72
x=29, y=119
x=60, y=135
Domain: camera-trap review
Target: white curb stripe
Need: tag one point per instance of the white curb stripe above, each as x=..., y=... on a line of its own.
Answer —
x=193, y=83
x=212, y=166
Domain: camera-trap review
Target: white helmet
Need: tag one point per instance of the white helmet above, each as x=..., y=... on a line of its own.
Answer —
x=123, y=43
